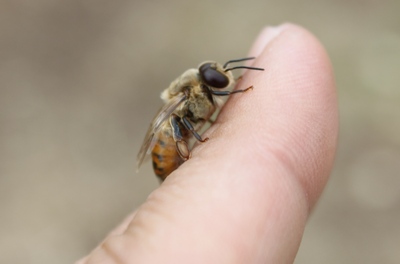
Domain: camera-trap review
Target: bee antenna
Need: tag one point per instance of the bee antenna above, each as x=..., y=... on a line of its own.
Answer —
x=244, y=67
x=238, y=60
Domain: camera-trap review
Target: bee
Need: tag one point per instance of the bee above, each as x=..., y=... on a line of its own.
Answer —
x=190, y=100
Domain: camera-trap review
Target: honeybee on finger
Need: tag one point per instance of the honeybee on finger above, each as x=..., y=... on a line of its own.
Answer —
x=190, y=100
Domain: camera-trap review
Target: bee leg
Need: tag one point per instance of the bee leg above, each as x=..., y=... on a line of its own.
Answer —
x=181, y=145
x=189, y=127
x=226, y=93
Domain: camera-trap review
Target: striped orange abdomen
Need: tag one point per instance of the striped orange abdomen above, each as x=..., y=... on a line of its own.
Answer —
x=164, y=155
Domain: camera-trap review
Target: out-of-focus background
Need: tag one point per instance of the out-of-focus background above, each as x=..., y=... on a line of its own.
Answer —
x=80, y=81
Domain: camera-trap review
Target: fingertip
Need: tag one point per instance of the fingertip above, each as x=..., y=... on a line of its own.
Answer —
x=293, y=108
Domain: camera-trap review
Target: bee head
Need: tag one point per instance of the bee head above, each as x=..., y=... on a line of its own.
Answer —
x=214, y=75
x=218, y=76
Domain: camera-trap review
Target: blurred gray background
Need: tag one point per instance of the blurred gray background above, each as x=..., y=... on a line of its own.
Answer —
x=80, y=81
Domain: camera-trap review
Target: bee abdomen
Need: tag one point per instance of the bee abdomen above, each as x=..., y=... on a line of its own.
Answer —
x=165, y=156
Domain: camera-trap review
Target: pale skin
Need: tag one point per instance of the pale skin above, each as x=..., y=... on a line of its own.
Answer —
x=245, y=195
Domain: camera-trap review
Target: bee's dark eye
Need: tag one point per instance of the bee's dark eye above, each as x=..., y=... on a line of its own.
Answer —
x=212, y=77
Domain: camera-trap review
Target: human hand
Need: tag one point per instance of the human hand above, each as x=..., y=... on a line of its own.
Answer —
x=245, y=195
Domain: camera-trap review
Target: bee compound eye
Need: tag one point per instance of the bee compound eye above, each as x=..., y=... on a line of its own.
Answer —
x=212, y=77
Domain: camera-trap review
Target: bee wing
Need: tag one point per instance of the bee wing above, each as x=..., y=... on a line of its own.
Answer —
x=162, y=116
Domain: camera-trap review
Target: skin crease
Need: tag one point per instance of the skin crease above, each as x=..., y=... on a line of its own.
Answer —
x=246, y=194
